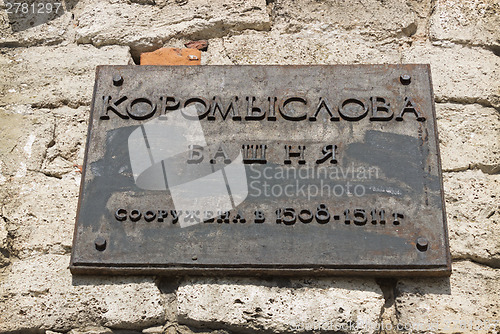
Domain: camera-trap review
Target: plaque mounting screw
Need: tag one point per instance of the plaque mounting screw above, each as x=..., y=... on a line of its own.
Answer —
x=117, y=80
x=405, y=79
x=100, y=244
x=422, y=244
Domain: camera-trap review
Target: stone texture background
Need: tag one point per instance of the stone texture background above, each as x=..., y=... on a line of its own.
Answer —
x=46, y=81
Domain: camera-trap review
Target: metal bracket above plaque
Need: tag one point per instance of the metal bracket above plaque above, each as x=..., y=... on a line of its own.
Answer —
x=262, y=170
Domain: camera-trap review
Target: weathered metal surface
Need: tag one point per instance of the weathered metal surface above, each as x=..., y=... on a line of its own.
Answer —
x=323, y=170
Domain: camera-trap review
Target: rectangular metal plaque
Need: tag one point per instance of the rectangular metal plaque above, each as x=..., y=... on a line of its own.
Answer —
x=262, y=170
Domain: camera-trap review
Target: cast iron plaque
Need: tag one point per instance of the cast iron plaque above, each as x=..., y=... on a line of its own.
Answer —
x=262, y=170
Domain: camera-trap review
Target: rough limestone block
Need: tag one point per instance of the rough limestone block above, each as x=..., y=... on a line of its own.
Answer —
x=473, y=213
x=460, y=74
x=300, y=305
x=41, y=140
x=468, y=302
x=25, y=135
x=39, y=293
x=469, y=137
x=91, y=330
x=41, y=213
x=145, y=27
x=54, y=76
x=377, y=19
x=473, y=22
x=39, y=178
x=67, y=146
x=302, y=48
x=216, y=54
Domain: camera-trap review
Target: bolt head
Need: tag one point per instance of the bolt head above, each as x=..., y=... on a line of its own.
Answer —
x=405, y=79
x=100, y=244
x=422, y=244
x=117, y=80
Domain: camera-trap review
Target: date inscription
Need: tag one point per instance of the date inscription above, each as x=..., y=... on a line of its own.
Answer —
x=286, y=216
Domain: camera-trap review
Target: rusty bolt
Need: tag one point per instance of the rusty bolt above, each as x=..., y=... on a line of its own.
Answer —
x=422, y=244
x=100, y=244
x=405, y=79
x=117, y=80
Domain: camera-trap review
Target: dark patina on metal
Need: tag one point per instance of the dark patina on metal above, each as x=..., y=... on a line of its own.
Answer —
x=259, y=170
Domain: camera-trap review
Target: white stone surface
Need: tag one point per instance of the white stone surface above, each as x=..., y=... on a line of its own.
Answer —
x=377, y=19
x=473, y=216
x=300, y=48
x=301, y=305
x=468, y=302
x=145, y=27
x=54, y=76
x=40, y=293
x=23, y=148
x=40, y=163
x=473, y=22
x=460, y=73
x=469, y=137
x=91, y=330
x=43, y=220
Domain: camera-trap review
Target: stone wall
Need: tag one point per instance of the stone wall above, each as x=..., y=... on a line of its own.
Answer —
x=46, y=81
